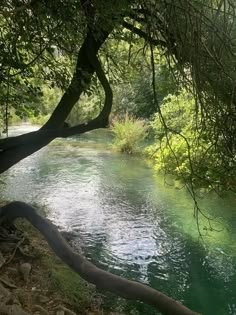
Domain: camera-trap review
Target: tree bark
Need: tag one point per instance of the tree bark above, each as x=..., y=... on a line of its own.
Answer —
x=14, y=149
x=102, y=279
x=81, y=79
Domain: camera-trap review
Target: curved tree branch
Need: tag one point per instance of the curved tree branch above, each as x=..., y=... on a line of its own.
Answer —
x=14, y=149
x=144, y=35
x=80, y=81
x=101, y=121
x=102, y=279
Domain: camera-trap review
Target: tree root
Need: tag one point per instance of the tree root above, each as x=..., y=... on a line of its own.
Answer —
x=6, y=262
x=102, y=279
x=14, y=251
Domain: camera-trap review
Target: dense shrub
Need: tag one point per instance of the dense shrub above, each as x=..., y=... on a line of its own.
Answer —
x=185, y=147
x=128, y=134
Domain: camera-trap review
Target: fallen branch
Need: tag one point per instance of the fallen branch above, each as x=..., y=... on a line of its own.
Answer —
x=102, y=279
x=14, y=252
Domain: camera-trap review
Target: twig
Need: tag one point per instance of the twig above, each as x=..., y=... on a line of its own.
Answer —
x=14, y=251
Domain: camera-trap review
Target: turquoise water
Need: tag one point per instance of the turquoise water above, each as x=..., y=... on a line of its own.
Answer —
x=132, y=222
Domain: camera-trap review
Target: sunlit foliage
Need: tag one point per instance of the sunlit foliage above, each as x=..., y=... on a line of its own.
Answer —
x=185, y=146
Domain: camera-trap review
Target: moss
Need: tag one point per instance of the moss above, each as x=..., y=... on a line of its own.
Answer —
x=50, y=274
x=56, y=277
x=73, y=288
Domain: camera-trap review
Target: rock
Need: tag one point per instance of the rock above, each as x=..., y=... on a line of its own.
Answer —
x=69, y=312
x=41, y=310
x=62, y=310
x=43, y=299
x=25, y=270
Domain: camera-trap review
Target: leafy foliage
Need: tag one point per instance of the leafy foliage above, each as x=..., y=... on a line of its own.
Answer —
x=33, y=53
x=136, y=97
x=185, y=147
x=129, y=133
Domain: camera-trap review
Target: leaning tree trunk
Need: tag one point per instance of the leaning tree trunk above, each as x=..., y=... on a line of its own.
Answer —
x=14, y=149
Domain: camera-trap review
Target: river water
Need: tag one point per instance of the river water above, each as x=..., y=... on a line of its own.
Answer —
x=132, y=222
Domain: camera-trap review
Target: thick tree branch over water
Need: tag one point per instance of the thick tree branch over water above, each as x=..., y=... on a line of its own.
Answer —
x=14, y=149
x=102, y=279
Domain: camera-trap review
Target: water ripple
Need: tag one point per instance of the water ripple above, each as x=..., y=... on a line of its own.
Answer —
x=128, y=222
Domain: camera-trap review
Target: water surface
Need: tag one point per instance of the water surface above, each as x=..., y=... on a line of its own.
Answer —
x=130, y=221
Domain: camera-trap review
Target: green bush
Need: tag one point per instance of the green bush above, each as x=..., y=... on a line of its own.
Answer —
x=186, y=147
x=129, y=133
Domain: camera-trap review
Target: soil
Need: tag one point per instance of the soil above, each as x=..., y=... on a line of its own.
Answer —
x=35, y=282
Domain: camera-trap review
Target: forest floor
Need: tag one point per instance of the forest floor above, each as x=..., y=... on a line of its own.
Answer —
x=33, y=281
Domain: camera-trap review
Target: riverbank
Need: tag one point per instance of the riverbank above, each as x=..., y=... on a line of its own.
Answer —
x=34, y=281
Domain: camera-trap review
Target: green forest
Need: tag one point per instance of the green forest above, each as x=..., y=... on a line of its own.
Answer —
x=158, y=75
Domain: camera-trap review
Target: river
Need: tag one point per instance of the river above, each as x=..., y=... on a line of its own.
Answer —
x=133, y=222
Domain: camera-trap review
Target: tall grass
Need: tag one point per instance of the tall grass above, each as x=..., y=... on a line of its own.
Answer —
x=128, y=134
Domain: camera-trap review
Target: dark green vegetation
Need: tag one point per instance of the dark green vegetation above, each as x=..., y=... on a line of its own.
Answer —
x=187, y=148
x=84, y=51
x=129, y=133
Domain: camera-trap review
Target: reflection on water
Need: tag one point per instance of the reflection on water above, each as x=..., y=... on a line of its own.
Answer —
x=129, y=222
